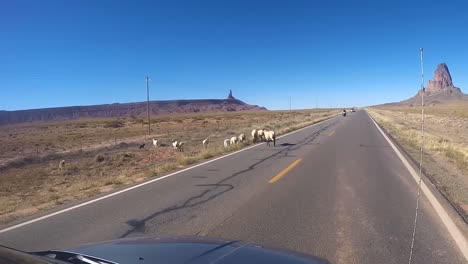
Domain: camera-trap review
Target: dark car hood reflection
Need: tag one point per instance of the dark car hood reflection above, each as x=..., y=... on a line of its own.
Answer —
x=189, y=250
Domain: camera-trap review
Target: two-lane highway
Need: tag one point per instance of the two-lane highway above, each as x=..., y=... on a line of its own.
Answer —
x=335, y=190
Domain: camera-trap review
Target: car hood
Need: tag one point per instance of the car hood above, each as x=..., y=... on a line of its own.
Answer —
x=189, y=250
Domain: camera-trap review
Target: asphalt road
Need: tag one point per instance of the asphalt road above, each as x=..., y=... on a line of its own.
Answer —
x=335, y=190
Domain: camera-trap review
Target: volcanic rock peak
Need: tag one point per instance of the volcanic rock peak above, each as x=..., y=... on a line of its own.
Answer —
x=442, y=80
x=438, y=90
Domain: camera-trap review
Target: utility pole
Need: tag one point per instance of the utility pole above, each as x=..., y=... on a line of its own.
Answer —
x=289, y=103
x=147, y=104
x=422, y=91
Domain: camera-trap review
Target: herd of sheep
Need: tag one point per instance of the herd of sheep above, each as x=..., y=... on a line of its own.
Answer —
x=260, y=135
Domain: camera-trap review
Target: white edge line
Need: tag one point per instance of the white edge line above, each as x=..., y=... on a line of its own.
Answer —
x=145, y=183
x=449, y=224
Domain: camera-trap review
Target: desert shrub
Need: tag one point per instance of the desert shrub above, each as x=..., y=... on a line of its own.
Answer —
x=99, y=158
x=114, y=123
x=113, y=181
x=71, y=170
x=123, y=145
x=125, y=157
x=26, y=160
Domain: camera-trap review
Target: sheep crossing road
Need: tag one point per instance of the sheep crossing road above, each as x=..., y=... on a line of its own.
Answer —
x=336, y=189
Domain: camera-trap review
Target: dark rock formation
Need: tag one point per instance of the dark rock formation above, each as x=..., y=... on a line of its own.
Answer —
x=125, y=110
x=438, y=90
x=442, y=82
x=230, y=95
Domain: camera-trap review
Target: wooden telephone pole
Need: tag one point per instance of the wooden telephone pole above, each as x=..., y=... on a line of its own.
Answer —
x=147, y=104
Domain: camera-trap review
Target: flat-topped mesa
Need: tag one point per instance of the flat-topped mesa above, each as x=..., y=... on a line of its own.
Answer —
x=442, y=82
x=124, y=110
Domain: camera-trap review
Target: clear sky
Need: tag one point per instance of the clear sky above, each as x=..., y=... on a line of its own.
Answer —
x=325, y=53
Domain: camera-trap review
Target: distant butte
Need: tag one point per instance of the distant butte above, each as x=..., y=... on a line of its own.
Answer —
x=117, y=110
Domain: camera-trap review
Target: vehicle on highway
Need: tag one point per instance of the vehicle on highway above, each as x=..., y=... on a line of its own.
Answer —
x=161, y=250
x=353, y=110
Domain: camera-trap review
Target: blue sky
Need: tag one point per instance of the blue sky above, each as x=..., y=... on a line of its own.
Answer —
x=325, y=53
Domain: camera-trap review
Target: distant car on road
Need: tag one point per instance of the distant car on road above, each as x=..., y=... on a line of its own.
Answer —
x=353, y=110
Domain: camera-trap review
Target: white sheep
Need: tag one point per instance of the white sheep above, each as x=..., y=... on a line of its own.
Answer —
x=205, y=142
x=261, y=134
x=155, y=143
x=226, y=143
x=174, y=143
x=233, y=140
x=270, y=137
x=180, y=146
x=254, y=135
x=241, y=137
x=61, y=164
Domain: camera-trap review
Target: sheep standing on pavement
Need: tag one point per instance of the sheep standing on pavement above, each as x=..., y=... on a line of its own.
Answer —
x=261, y=134
x=226, y=143
x=270, y=137
x=205, y=143
x=233, y=140
x=241, y=138
x=155, y=143
x=254, y=135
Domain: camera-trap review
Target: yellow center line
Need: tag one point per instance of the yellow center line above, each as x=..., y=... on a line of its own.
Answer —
x=331, y=133
x=282, y=173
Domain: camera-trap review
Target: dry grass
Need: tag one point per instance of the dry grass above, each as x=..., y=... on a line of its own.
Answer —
x=454, y=109
x=445, y=142
x=103, y=154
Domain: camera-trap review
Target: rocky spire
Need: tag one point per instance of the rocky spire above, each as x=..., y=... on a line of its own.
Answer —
x=439, y=89
x=230, y=95
x=441, y=81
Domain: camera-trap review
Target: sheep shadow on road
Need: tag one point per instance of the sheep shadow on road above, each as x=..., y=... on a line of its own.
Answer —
x=287, y=144
x=220, y=187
